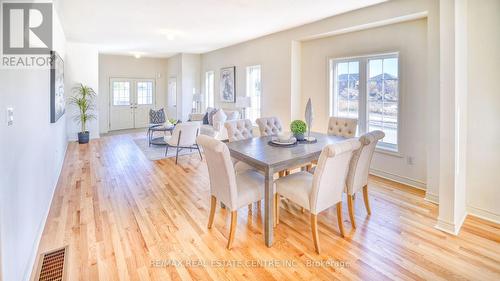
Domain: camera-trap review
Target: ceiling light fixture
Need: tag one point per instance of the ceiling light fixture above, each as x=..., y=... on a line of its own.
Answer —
x=137, y=55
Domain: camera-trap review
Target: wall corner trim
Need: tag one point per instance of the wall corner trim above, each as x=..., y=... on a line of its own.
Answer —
x=450, y=228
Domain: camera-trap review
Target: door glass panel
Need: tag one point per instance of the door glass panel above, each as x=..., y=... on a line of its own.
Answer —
x=121, y=93
x=145, y=93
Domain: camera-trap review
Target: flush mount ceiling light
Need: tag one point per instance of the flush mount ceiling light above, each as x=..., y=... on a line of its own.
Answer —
x=137, y=55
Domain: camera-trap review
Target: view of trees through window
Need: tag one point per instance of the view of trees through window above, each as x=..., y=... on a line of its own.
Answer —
x=376, y=105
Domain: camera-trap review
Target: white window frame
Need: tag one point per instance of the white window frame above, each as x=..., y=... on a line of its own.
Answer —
x=209, y=98
x=248, y=69
x=363, y=109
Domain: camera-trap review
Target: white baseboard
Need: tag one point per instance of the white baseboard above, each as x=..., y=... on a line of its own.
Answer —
x=400, y=179
x=483, y=214
x=431, y=197
x=450, y=228
x=41, y=227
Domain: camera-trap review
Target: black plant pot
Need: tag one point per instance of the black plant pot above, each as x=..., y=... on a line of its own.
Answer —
x=299, y=137
x=83, y=137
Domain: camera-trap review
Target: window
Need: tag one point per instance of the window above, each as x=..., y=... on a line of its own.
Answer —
x=209, y=88
x=144, y=92
x=366, y=88
x=121, y=93
x=254, y=91
x=347, y=89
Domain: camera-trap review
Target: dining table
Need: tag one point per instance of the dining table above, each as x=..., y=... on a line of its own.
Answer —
x=258, y=153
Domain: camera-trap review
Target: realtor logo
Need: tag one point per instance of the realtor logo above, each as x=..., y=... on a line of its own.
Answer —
x=27, y=28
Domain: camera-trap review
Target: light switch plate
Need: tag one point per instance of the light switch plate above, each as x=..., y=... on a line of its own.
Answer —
x=10, y=116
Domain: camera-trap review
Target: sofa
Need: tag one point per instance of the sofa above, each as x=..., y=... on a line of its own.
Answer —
x=217, y=129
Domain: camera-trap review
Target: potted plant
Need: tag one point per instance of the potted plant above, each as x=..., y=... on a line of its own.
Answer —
x=84, y=100
x=298, y=128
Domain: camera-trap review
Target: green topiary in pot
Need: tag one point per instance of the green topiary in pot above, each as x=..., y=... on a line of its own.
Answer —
x=298, y=128
x=83, y=99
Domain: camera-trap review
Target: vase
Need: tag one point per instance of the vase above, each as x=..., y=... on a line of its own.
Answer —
x=299, y=137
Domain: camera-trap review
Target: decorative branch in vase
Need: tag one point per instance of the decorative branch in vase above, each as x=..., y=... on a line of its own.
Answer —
x=83, y=99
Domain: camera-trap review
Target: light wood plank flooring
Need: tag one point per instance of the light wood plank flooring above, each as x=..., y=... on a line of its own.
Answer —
x=127, y=218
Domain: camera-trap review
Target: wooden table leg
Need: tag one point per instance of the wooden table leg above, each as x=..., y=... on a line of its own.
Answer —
x=268, y=208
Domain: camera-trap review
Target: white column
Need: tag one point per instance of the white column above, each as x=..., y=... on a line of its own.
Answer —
x=453, y=115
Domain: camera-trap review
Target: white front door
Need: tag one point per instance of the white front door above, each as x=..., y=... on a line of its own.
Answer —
x=130, y=101
x=172, y=98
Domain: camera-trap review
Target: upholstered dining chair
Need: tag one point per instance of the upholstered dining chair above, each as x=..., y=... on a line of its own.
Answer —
x=359, y=168
x=183, y=137
x=321, y=190
x=234, y=190
x=239, y=129
x=343, y=127
x=269, y=126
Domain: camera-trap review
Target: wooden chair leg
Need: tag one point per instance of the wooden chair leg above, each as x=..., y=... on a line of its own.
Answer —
x=258, y=205
x=309, y=167
x=281, y=174
x=234, y=216
x=250, y=208
x=339, y=217
x=350, y=205
x=276, y=209
x=314, y=228
x=213, y=205
x=367, y=202
x=302, y=210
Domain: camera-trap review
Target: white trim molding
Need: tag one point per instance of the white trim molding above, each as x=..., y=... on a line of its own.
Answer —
x=483, y=214
x=431, y=197
x=400, y=179
x=450, y=228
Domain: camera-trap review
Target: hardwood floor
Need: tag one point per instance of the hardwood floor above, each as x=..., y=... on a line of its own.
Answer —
x=127, y=218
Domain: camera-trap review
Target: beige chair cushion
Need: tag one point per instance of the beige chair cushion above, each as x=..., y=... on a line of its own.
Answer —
x=233, y=189
x=323, y=189
x=342, y=127
x=239, y=129
x=250, y=186
x=296, y=187
x=359, y=168
x=269, y=126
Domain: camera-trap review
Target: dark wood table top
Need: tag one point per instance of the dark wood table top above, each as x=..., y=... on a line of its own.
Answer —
x=258, y=153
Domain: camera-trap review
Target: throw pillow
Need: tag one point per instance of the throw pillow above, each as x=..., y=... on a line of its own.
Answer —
x=233, y=115
x=205, y=119
x=219, y=116
x=157, y=116
x=211, y=117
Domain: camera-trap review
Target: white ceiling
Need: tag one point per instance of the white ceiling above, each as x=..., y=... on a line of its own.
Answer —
x=160, y=28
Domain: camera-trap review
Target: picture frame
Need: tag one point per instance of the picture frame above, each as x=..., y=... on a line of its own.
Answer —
x=57, y=99
x=227, y=84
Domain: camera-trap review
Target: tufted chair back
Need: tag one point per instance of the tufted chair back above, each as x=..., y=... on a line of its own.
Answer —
x=360, y=162
x=269, y=126
x=342, y=127
x=239, y=129
x=220, y=170
x=330, y=174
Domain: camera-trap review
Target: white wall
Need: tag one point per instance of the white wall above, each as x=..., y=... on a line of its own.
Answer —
x=190, y=82
x=410, y=40
x=276, y=53
x=186, y=69
x=174, y=69
x=113, y=66
x=32, y=152
x=483, y=155
x=81, y=67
